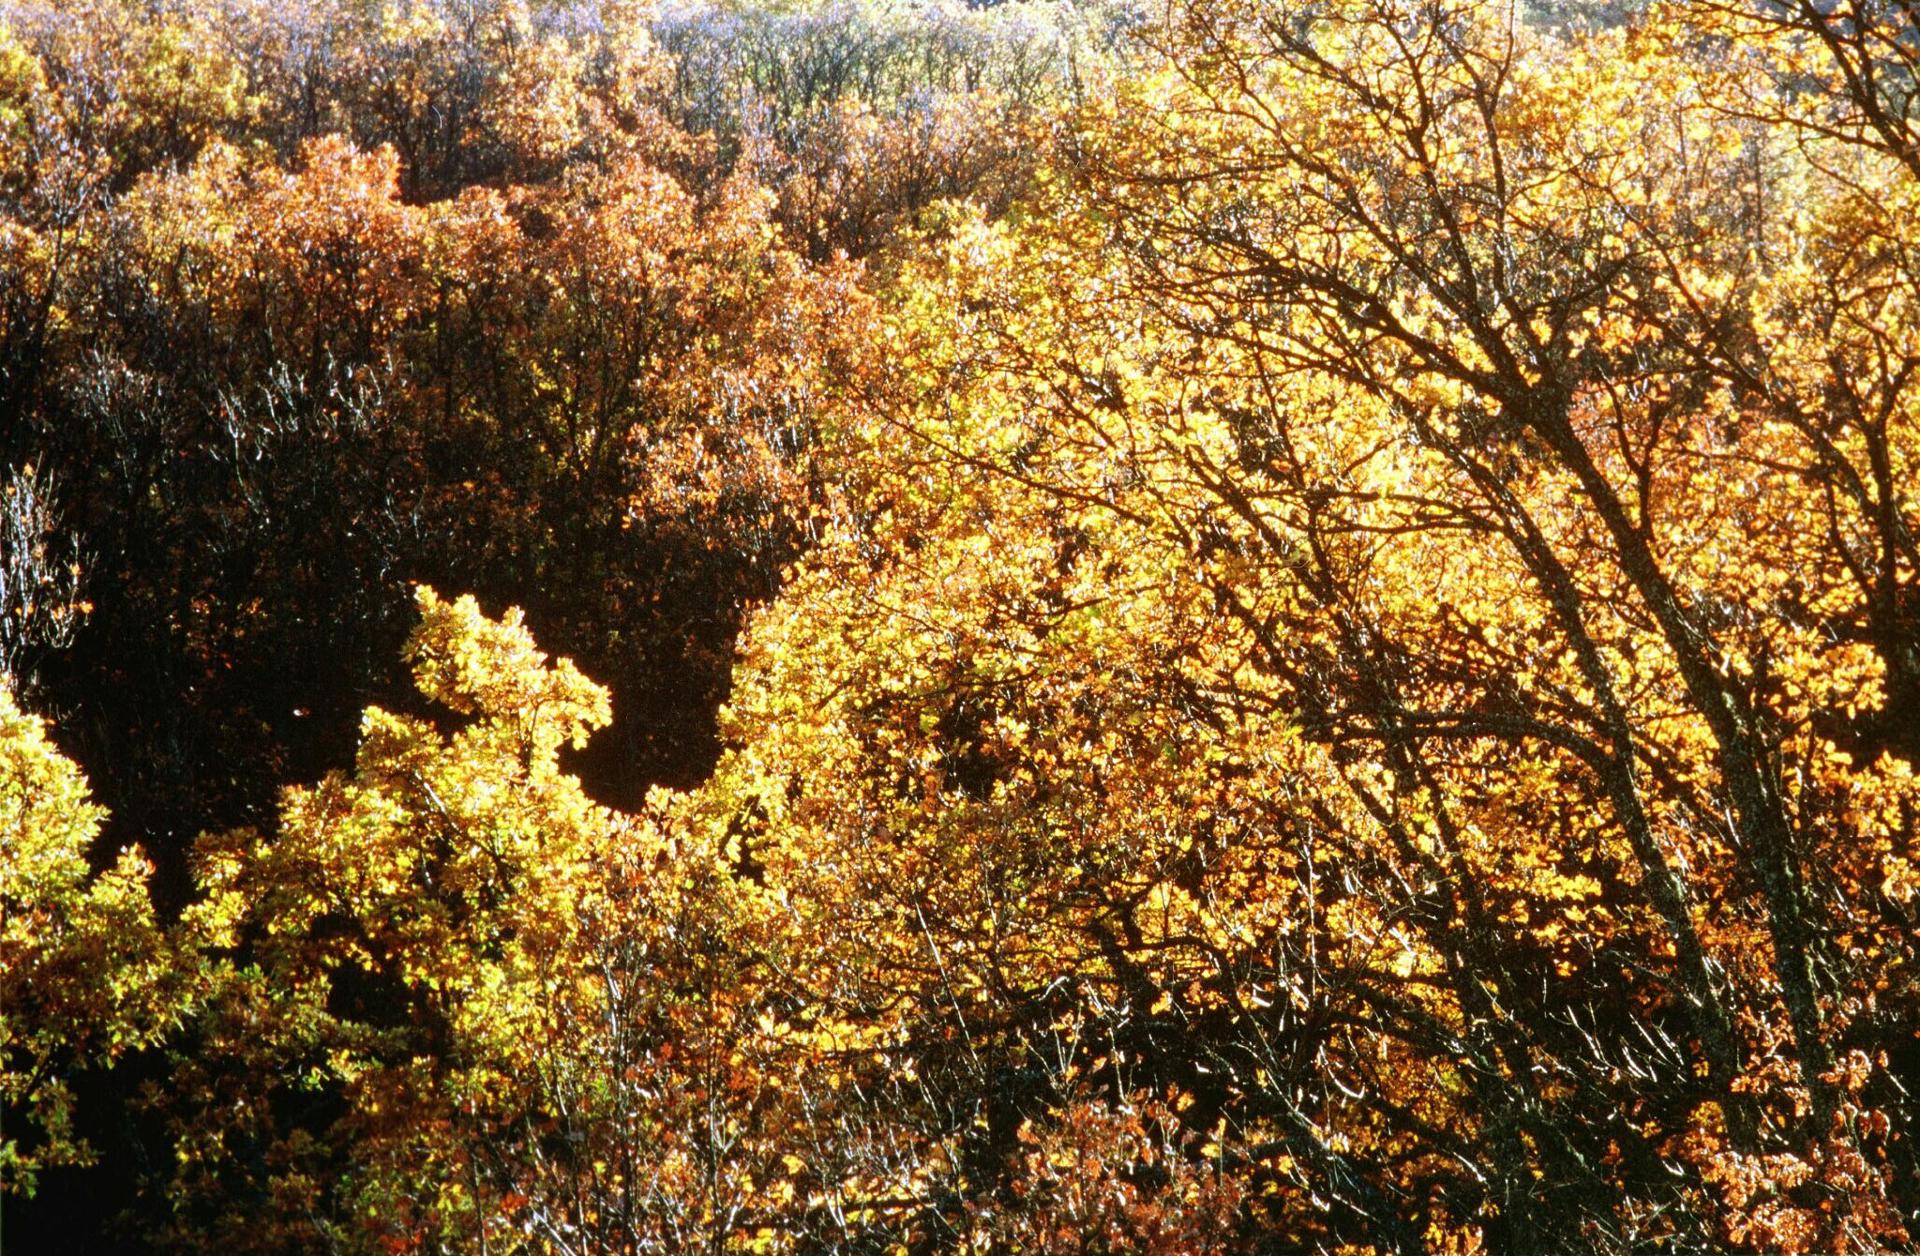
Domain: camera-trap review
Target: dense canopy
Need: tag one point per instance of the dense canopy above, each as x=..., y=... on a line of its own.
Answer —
x=1181, y=626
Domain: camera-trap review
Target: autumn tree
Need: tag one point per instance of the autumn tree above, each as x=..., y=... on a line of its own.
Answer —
x=1390, y=226
x=296, y=362
x=86, y=972
x=1456, y=428
x=862, y=117
x=466, y=1006
x=301, y=303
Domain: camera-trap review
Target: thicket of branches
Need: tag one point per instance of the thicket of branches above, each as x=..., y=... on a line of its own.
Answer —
x=1231, y=626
